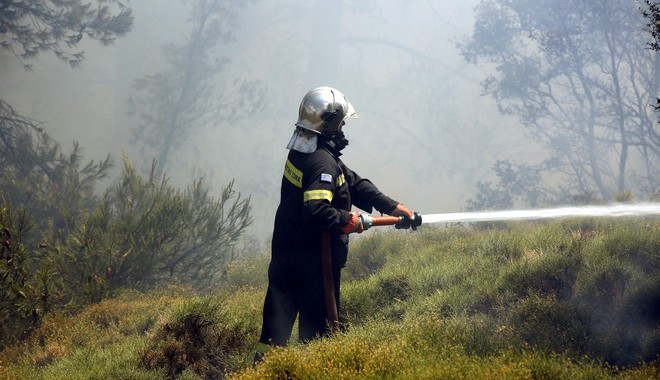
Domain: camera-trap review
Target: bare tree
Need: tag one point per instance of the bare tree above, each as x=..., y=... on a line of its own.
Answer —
x=172, y=103
x=578, y=77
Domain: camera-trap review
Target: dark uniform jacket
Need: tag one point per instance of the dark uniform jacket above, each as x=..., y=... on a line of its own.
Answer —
x=316, y=196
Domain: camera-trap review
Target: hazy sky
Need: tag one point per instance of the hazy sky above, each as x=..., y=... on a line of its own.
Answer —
x=425, y=135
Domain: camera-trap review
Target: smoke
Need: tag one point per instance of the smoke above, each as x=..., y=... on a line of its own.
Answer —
x=424, y=137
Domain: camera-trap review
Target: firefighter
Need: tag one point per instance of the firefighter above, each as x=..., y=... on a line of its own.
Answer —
x=317, y=194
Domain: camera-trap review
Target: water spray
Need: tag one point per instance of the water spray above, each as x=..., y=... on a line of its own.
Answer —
x=615, y=210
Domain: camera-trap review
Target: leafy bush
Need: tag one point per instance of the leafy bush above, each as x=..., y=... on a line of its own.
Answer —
x=44, y=193
x=557, y=286
x=251, y=272
x=504, y=247
x=27, y=278
x=196, y=337
x=66, y=246
x=114, y=361
x=382, y=295
x=100, y=340
x=144, y=232
x=638, y=245
x=545, y=321
x=368, y=353
x=369, y=253
x=420, y=348
x=52, y=186
x=551, y=273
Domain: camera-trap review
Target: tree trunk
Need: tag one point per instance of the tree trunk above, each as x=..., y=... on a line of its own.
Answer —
x=620, y=114
x=179, y=106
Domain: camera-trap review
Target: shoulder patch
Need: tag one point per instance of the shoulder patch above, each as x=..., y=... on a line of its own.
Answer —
x=325, y=177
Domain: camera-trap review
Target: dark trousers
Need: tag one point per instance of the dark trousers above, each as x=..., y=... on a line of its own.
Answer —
x=295, y=288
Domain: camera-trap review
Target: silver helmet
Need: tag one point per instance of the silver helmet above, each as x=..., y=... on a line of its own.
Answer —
x=322, y=111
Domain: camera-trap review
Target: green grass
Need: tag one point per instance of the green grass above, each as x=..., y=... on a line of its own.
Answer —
x=562, y=299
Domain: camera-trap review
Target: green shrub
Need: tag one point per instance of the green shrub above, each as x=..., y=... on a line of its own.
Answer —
x=500, y=246
x=543, y=273
x=54, y=187
x=372, y=351
x=545, y=322
x=471, y=334
x=29, y=285
x=60, y=334
x=142, y=233
x=252, y=272
x=603, y=281
x=242, y=310
x=626, y=328
x=146, y=233
x=424, y=348
x=636, y=244
x=115, y=361
x=368, y=254
x=196, y=337
x=619, y=287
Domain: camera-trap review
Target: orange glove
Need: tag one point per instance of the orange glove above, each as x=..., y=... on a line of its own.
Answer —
x=357, y=223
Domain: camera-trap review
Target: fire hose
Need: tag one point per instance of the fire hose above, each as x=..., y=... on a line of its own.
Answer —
x=401, y=222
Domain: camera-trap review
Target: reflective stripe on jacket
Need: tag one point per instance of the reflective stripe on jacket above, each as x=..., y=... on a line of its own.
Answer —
x=317, y=193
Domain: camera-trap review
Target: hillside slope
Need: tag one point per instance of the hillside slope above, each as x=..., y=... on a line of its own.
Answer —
x=562, y=299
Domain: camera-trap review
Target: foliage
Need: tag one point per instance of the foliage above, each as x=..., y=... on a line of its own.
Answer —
x=559, y=299
x=248, y=272
x=32, y=28
x=53, y=187
x=197, y=338
x=421, y=349
x=67, y=246
x=172, y=103
x=369, y=253
x=516, y=182
x=651, y=11
x=543, y=287
x=24, y=278
x=579, y=79
x=101, y=341
x=145, y=232
x=51, y=190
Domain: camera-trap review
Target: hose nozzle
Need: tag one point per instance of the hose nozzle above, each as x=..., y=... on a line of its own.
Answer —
x=412, y=223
